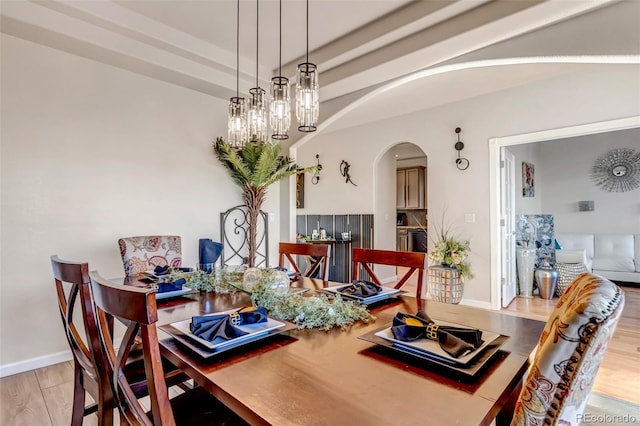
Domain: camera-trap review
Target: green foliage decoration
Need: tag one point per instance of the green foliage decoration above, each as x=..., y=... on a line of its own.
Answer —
x=317, y=311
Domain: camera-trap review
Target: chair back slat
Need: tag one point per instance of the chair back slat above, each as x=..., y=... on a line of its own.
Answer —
x=137, y=308
x=318, y=253
x=414, y=261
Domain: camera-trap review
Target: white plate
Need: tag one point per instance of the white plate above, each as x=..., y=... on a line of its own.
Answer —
x=432, y=347
x=252, y=330
x=384, y=294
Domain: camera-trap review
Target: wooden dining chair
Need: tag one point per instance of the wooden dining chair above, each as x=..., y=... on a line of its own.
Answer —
x=136, y=306
x=91, y=371
x=316, y=254
x=568, y=355
x=366, y=258
x=145, y=253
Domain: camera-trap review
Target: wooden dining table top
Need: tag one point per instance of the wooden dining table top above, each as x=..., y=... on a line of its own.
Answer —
x=317, y=377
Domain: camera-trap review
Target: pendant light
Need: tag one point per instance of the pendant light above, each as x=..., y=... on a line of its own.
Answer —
x=256, y=116
x=280, y=111
x=307, y=92
x=237, y=125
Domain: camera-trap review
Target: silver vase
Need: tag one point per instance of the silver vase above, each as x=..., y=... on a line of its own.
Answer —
x=526, y=263
x=547, y=279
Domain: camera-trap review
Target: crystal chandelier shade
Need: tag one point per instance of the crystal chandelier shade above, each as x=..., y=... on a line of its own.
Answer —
x=280, y=111
x=307, y=97
x=257, y=115
x=237, y=124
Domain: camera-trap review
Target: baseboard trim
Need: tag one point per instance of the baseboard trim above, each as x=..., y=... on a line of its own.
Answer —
x=33, y=363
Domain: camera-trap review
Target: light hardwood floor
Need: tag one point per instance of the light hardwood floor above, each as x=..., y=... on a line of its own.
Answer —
x=43, y=396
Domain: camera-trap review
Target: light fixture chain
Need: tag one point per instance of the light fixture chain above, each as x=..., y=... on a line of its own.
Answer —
x=257, y=38
x=238, y=49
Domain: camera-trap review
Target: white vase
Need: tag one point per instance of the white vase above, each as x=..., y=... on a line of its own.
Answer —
x=525, y=263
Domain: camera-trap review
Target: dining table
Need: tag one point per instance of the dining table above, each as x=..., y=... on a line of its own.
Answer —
x=344, y=375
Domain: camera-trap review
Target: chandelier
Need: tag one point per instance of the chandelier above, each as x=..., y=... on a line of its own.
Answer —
x=307, y=92
x=280, y=109
x=237, y=123
x=256, y=116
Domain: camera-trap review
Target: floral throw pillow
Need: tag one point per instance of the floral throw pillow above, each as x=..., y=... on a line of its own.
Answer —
x=567, y=272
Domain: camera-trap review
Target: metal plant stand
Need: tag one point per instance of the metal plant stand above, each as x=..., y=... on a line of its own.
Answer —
x=234, y=227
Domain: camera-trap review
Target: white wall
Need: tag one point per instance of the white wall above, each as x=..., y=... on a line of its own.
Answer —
x=600, y=93
x=91, y=153
x=529, y=153
x=566, y=171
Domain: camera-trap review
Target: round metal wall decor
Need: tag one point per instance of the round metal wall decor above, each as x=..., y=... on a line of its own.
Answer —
x=618, y=170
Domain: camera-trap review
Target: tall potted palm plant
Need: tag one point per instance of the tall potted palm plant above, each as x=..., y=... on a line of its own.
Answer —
x=254, y=168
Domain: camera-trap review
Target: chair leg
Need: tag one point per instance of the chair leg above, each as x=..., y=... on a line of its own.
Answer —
x=77, y=409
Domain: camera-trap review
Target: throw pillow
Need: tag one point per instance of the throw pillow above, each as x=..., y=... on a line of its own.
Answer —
x=567, y=272
x=557, y=245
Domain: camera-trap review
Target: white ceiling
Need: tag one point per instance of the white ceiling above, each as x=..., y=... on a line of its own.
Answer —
x=358, y=45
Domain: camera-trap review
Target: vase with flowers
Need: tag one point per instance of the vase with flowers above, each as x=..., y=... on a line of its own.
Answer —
x=450, y=267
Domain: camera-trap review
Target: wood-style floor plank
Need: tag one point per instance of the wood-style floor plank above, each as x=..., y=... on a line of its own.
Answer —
x=22, y=402
x=55, y=374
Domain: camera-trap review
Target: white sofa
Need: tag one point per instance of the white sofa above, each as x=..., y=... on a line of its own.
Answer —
x=613, y=256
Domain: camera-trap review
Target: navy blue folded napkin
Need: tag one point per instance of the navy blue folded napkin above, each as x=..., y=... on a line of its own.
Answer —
x=209, y=251
x=360, y=288
x=171, y=286
x=456, y=341
x=223, y=327
x=162, y=270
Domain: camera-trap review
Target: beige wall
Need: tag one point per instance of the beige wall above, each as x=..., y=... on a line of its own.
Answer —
x=91, y=153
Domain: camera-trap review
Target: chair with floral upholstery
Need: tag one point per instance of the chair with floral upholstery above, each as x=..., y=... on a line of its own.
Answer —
x=569, y=353
x=145, y=253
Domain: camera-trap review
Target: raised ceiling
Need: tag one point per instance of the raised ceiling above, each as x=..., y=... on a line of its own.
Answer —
x=358, y=45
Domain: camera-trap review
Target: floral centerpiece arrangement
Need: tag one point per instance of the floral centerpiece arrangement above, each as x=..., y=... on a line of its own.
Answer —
x=451, y=252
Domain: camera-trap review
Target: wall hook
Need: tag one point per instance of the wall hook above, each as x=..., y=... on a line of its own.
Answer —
x=316, y=176
x=461, y=162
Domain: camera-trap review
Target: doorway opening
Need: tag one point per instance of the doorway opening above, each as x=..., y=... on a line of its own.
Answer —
x=499, y=272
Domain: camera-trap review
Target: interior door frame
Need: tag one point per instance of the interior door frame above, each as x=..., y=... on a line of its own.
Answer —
x=495, y=181
x=507, y=226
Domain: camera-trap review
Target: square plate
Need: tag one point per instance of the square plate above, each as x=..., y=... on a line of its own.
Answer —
x=433, y=349
x=176, y=293
x=468, y=371
x=252, y=330
x=384, y=294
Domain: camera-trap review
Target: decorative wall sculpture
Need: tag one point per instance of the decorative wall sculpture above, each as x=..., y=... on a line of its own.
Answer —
x=618, y=170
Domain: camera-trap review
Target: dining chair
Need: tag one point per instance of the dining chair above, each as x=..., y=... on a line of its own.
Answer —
x=144, y=253
x=569, y=354
x=366, y=258
x=136, y=306
x=91, y=372
x=316, y=254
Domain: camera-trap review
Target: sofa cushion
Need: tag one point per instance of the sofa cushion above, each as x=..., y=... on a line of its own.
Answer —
x=567, y=272
x=571, y=256
x=614, y=252
x=578, y=241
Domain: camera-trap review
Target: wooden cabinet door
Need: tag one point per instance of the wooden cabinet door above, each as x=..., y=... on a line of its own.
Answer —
x=414, y=188
x=401, y=189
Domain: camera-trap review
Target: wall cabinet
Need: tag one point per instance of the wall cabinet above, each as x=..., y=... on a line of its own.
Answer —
x=410, y=188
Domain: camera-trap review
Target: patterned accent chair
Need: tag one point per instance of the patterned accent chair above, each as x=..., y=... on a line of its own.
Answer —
x=569, y=353
x=140, y=254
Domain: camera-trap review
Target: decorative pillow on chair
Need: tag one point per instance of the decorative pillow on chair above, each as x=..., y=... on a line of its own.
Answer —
x=145, y=253
x=567, y=272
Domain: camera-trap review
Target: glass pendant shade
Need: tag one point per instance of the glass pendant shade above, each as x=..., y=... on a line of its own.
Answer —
x=307, y=97
x=237, y=125
x=280, y=111
x=256, y=115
